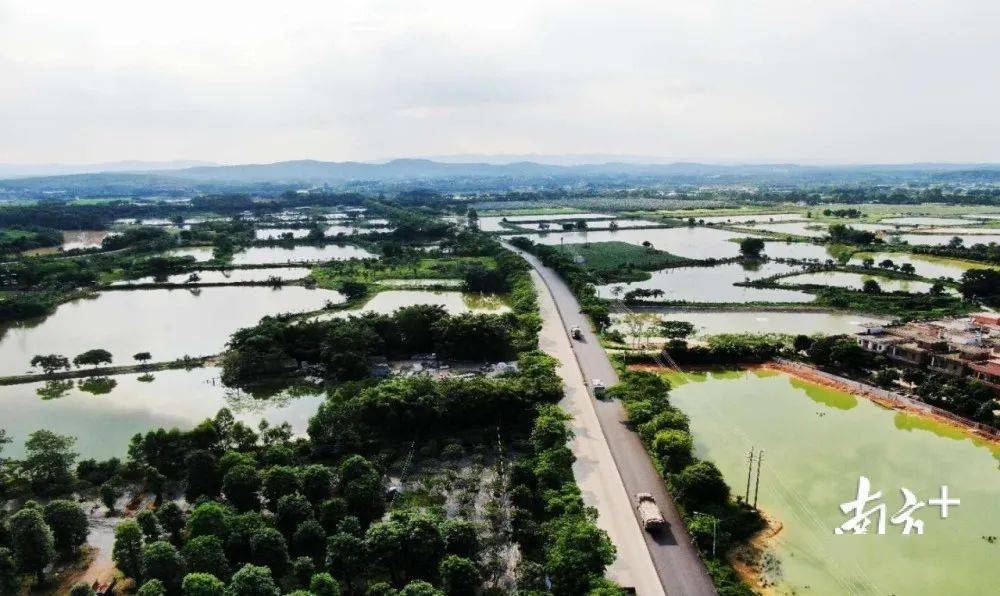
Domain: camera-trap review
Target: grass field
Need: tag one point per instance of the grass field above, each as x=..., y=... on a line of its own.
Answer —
x=621, y=261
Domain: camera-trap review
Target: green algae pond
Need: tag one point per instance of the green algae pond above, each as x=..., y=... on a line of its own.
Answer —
x=817, y=442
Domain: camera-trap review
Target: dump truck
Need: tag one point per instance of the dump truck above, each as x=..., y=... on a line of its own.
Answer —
x=649, y=512
x=575, y=332
x=598, y=387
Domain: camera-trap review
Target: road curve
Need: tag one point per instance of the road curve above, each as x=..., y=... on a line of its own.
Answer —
x=675, y=559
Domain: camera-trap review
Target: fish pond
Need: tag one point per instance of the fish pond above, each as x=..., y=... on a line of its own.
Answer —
x=103, y=415
x=855, y=281
x=817, y=442
x=713, y=284
x=695, y=242
x=304, y=253
x=167, y=323
x=708, y=322
x=454, y=302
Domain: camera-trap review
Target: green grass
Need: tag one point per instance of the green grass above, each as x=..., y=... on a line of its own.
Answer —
x=621, y=261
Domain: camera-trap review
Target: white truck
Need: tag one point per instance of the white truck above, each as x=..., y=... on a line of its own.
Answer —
x=598, y=386
x=649, y=512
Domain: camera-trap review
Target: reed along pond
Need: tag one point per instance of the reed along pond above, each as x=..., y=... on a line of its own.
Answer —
x=817, y=442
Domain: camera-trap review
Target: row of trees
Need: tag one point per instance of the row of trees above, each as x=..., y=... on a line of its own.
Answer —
x=50, y=363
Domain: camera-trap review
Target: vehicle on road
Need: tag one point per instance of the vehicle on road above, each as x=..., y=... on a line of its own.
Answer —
x=575, y=332
x=649, y=512
x=598, y=387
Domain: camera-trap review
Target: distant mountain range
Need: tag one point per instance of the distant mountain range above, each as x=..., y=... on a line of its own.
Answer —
x=148, y=177
x=57, y=169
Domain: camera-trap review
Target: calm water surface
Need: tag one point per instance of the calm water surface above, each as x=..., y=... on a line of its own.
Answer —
x=167, y=323
x=855, y=281
x=455, y=303
x=792, y=323
x=804, y=228
x=227, y=276
x=104, y=423
x=817, y=442
x=924, y=265
x=696, y=242
x=925, y=221
x=941, y=240
x=714, y=284
x=263, y=255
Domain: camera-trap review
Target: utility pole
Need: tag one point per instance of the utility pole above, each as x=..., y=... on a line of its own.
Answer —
x=749, y=470
x=715, y=525
x=756, y=490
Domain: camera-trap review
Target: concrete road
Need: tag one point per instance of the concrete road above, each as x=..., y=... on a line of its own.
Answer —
x=676, y=561
x=594, y=468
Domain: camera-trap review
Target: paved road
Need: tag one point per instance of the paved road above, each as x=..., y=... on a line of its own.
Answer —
x=676, y=561
x=594, y=469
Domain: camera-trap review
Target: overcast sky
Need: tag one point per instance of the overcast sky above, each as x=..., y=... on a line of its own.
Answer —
x=245, y=81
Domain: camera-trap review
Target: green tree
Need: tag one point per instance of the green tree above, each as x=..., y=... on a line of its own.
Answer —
x=252, y=580
x=171, y=519
x=323, y=584
x=160, y=560
x=303, y=569
x=10, y=579
x=676, y=329
x=317, y=483
x=292, y=510
x=420, y=588
x=871, y=287
x=149, y=523
x=153, y=587
x=309, y=540
x=82, y=589
x=576, y=554
x=346, y=556
x=209, y=518
x=268, y=548
x=751, y=248
x=69, y=525
x=278, y=482
x=701, y=483
x=461, y=537
x=241, y=485
x=127, y=552
x=381, y=589
x=49, y=363
x=673, y=449
x=202, y=475
x=142, y=357
x=361, y=487
x=202, y=584
x=32, y=541
x=93, y=358
x=981, y=284
x=459, y=576
x=205, y=554
x=48, y=462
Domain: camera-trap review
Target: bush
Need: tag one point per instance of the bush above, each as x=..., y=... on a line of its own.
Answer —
x=202, y=584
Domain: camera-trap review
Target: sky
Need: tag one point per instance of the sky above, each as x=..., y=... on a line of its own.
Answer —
x=809, y=81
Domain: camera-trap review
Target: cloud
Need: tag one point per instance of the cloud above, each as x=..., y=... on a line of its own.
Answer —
x=886, y=81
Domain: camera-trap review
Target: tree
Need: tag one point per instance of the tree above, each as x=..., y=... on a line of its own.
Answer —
x=577, y=553
x=160, y=560
x=205, y=554
x=202, y=584
x=209, y=518
x=701, y=483
x=241, y=486
x=317, y=483
x=908, y=268
x=846, y=353
x=92, y=358
x=278, y=482
x=127, y=552
x=751, y=248
x=871, y=287
x=673, y=449
x=202, y=475
x=48, y=462
x=676, y=329
x=153, y=587
x=149, y=523
x=142, y=357
x=268, y=548
x=82, y=589
x=32, y=541
x=323, y=584
x=461, y=538
x=459, y=576
x=310, y=540
x=171, y=519
x=50, y=363
x=303, y=569
x=420, y=588
x=10, y=579
x=69, y=525
x=292, y=510
x=345, y=555
x=981, y=284
x=361, y=488
x=801, y=342
x=887, y=264
x=252, y=580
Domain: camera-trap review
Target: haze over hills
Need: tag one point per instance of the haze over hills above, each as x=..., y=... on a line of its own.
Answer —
x=62, y=169
x=133, y=178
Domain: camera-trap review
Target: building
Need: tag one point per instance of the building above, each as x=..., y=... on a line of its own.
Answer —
x=966, y=347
